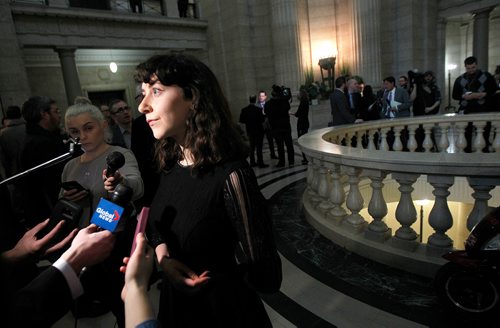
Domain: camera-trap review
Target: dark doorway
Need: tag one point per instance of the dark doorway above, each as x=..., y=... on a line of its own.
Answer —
x=99, y=98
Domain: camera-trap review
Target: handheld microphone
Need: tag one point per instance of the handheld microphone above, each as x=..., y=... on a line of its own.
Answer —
x=114, y=161
x=108, y=213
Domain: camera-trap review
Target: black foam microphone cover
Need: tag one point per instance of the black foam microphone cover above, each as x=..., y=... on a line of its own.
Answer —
x=114, y=161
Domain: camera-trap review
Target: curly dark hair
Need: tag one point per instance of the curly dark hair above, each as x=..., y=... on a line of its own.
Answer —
x=211, y=135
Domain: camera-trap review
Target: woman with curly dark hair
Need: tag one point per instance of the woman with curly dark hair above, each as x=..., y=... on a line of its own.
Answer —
x=209, y=224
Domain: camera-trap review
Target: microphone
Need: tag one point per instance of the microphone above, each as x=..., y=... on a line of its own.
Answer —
x=114, y=161
x=109, y=213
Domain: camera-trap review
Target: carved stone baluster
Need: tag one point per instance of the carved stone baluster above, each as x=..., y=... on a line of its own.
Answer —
x=337, y=196
x=406, y=214
x=371, y=140
x=383, y=139
x=315, y=198
x=495, y=126
x=412, y=141
x=323, y=190
x=377, y=229
x=440, y=218
x=354, y=201
x=461, y=140
x=481, y=195
x=427, y=143
x=443, y=141
x=397, y=146
x=359, y=139
x=312, y=175
x=478, y=142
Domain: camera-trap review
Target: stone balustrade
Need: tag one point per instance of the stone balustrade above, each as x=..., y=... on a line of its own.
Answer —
x=439, y=150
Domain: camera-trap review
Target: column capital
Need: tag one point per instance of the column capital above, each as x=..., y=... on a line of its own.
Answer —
x=65, y=50
x=484, y=12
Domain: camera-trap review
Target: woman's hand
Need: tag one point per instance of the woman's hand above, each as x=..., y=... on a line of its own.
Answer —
x=182, y=277
x=73, y=195
x=111, y=182
x=138, y=267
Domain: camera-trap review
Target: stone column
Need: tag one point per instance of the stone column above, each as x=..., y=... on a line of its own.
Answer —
x=14, y=85
x=284, y=26
x=70, y=73
x=481, y=31
x=366, y=40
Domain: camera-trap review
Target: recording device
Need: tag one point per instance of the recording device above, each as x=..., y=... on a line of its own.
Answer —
x=109, y=213
x=114, y=161
x=282, y=92
x=63, y=210
x=68, y=185
x=415, y=78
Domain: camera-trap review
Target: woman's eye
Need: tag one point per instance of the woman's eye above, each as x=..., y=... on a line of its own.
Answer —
x=156, y=91
x=74, y=133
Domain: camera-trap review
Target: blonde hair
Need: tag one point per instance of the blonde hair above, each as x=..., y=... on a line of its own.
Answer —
x=84, y=107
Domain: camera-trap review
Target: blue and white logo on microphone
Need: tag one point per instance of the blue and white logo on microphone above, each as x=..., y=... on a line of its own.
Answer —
x=107, y=215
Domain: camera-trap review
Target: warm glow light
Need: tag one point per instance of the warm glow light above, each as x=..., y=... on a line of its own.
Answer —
x=451, y=67
x=325, y=49
x=422, y=202
x=113, y=67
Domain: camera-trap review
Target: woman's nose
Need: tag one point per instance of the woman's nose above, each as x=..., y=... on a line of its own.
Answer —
x=144, y=105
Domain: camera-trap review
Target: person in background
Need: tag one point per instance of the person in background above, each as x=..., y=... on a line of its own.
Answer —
x=396, y=101
x=253, y=118
x=370, y=105
x=208, y=222
x=43, y=142
x=12, y=140
x=276, y=110
x=302, y=115
x=403, y=83
x=267, y=126
x=86, y=122
x=475, y=91
x=121, y=131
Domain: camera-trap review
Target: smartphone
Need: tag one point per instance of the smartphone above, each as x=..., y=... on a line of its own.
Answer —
x=142, y=220
x=63, y=210
x=68, y=185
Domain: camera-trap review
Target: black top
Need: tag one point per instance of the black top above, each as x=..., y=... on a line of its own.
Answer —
x=253, y=118
x=302, y=115
x=216, y=221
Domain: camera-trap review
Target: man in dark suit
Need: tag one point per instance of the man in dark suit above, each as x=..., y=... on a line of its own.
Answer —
x=121, y=131
x=396, y=101
x=276, y=110
x=341, y=113
x=43, y=142
x=253, y=118
x=354, y=97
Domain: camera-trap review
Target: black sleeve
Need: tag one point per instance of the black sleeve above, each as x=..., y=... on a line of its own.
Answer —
x=42, y=302
x=249, y=214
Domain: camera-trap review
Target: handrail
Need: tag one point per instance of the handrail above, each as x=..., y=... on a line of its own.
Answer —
x=338, y=163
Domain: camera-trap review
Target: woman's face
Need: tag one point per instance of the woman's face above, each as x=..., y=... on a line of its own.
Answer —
x=166, y=110
x=90, y=131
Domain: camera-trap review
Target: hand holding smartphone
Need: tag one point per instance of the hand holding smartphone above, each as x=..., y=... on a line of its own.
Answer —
x=69, y=185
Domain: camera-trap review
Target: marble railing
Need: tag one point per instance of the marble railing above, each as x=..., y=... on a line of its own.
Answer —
x=341, y=158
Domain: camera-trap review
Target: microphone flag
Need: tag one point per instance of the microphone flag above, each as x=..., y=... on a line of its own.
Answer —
x=107, y=215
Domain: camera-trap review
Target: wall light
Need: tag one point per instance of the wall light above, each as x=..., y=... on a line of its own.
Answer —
x=113, y=67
